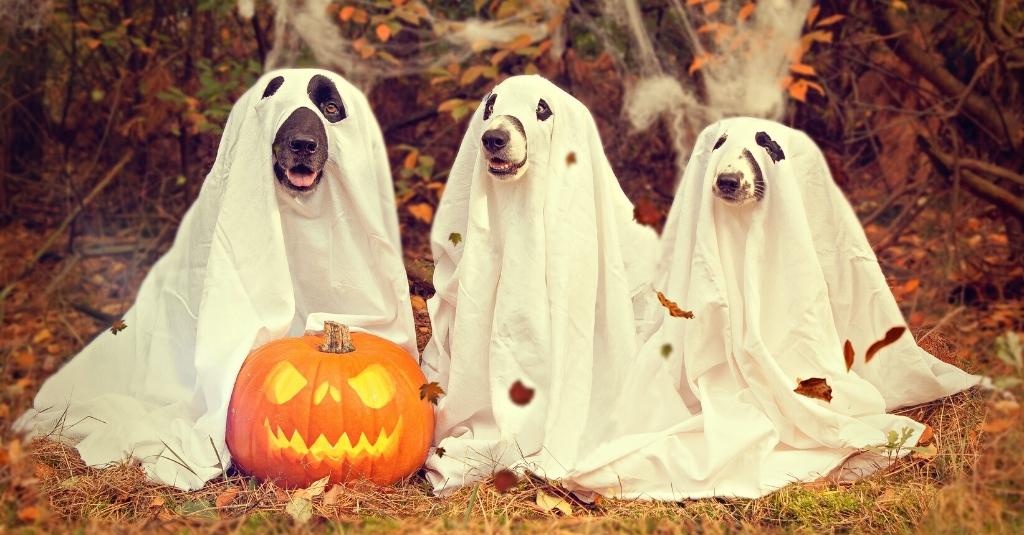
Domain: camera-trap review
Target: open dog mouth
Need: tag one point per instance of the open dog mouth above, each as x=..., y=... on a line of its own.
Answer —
x=497, y=166
x=299, y=177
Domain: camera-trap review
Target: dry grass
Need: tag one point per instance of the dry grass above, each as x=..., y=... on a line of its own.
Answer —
x=973, y=485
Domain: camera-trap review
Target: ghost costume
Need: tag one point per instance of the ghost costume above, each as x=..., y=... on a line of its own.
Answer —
x=252, y=262
x=776, y=288
x=535, y=279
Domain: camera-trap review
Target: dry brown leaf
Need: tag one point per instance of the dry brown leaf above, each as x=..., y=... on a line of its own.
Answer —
x=431, y=392
x=549, y=503
x=815, y=387
x=999, y=425
x=118, y=326
x=646, y=212
x=226, y=497
x=158, y=501
x=848, y=354
x=926, y=436
x=418, y=303
x=439, y=451
x=42, y=336
x=29, y=514
x=520, y=394
x=570, y=158
x=505, y=480
x=331, y=496
x=411, y=159
x=422, y=211
x=890, y=337
x=926, y=453
x=673, y=308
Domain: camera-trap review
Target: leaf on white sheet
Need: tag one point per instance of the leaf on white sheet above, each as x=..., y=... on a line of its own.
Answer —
x=890, y=337
x=666, y=350
x=520, y=393
x=505, y=480
x=815, y=387
x=118, y=326
x=431, y=392
x=570, y=158
x=549, y=503
x=848, y=354
x=673, y=308
x=646, y=212
x=455, y=238
x=439, y=451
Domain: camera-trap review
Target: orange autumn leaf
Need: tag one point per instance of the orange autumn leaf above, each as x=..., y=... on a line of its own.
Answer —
x=848, y=354
x=346, y=13
x=118, y=326
x=505, y=480
x=422, y=211
x=815, y=387
x=710, y=8
x=828, y=21
x=798, y=90
x=746, y=11
x=926, y=436
x=802, y=68
x=431, y=392
x=383, y=32
x=646, y=212
x=29, y=514
x=226, y=497
x=673, y=308
x=570, y=158
x=890, y=337
x=410, y=159
x=812, y=14
x=698, y=62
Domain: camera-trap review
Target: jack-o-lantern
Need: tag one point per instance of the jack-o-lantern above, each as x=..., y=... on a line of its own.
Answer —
x=342, y=404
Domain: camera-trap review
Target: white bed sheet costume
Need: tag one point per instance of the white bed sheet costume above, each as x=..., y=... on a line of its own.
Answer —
x=776, y=287
x=535, y=279
x=251, y=263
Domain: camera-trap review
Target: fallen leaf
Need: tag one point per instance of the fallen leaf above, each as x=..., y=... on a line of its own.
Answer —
x=383, y=32
x=828, y=21
x=411, y=158
x=346, y=13
x=814, y=387
x=118, y=326
x=698, y=62
x=520, y=394
x=505, y=480
x=418, y=303
x=549, y=503
x=315, y=488
x=890, y=337
x=710, y=8
x=439, y=452
x=848, y=354
x=226, y=497
x=43, y=471
x=422, y=211
x=801, y=68
x=570, y=158
x=746, y=11
x=29, y=514
x=431, y=392
x=158, y=501
x=673, y=308
x=42, y=336
x=455, y=238
x=331, y=496
x=666, y=350
x=999, y=425
x=300, y=509
x=925, y=452
x=926, y=436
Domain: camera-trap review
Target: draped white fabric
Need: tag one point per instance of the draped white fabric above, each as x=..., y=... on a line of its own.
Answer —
x=251, y=263
x=776, y=287
x=538, y=290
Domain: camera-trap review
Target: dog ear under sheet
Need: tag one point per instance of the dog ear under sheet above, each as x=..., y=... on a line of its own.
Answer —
x=778, y=278
x=253, y=260
x=536, y=296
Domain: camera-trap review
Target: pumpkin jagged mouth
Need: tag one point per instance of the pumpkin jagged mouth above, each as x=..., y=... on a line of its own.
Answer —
x=321, y=448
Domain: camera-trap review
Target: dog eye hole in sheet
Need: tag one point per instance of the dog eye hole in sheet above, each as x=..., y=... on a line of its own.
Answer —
x=769, y=144
x=325, y=96
x=720, y=142
x=543, y=110
x=273, y=86
x=489, y=106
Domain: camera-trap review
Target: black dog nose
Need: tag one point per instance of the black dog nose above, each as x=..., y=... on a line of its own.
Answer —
x=495, y=139
x=728, y=182
x=303, y=144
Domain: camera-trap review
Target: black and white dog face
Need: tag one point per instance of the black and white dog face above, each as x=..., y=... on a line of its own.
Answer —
x=738, y=177
x=300, y=147
x=505, y=141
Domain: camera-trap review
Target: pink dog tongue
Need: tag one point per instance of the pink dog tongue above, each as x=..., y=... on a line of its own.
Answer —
x=300, y=180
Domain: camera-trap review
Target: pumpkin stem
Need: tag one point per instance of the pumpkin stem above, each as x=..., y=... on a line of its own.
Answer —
x=337, y=338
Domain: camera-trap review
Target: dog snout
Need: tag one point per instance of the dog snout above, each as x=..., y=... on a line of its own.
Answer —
x=303, y=144
x=728, y=182
x=495, y=139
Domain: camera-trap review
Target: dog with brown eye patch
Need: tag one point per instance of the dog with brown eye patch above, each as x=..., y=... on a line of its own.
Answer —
x=739, y=178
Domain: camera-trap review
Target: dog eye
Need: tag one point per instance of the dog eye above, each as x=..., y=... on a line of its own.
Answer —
x=331, y=108
x=543, y=110
x=489, y=106
x=720, y=142
x=273, y=86
x=774, y=150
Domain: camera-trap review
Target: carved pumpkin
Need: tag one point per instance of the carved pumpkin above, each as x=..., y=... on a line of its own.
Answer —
x=342, y=404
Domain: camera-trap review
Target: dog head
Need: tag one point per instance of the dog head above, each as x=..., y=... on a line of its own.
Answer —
x=510, y=111
x=738, y=177
x=300, y=147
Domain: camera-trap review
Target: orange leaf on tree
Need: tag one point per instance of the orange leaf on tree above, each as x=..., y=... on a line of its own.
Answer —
x=422, y=211
x=802, y=68
x=828, y=21
x=890, y=337
x=710, y=8
x=431, y=392
x=673, y=308
x=383, y=32
x=812, y=14
x=411, y=159
x=346, y=13
x=745, y=12
x=814, y=387
x=520, y=394
x=698, y=62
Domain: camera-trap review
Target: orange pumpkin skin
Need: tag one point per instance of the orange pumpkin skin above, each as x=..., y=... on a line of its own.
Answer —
x=298, y=414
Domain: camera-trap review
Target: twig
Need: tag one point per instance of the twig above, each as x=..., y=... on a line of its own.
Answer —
x=941, y=322
x=99, y=187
